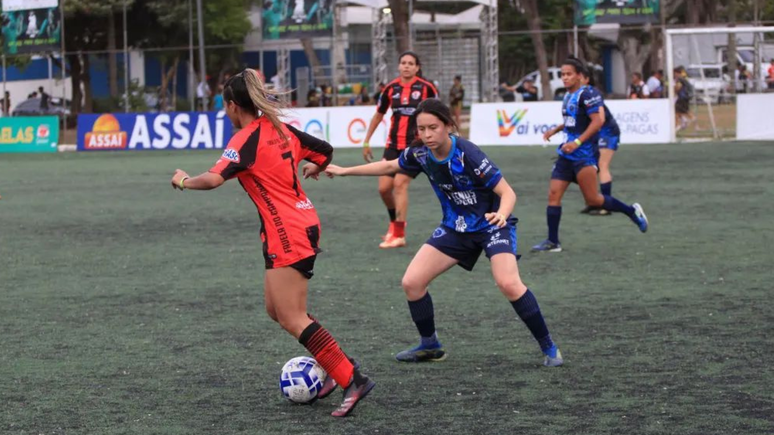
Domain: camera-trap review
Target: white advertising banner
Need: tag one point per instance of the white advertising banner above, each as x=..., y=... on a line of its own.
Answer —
x=753, y=117
x=641, y=121
x=342, y=127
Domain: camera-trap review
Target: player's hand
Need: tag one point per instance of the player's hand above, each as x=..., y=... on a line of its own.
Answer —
x=547, y=135
x=496, y=219
x=311, y=170
x=333, y=171
x=368, y=156
x=569, y=147
x=179, y=175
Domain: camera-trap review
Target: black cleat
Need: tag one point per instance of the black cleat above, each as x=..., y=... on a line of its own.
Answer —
x=358, y=388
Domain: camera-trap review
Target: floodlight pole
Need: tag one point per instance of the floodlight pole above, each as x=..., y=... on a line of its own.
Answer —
x=126, y=64
x=202, y=67
x=191, y=72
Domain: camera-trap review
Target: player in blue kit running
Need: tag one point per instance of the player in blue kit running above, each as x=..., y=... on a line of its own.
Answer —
x=477, y=204
x=577, y=162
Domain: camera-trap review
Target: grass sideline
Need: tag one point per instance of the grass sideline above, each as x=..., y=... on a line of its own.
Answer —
x=130, y=308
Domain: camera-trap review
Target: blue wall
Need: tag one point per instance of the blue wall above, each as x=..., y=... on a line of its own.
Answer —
x=36, y=70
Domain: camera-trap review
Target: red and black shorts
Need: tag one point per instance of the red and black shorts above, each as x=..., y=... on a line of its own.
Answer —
x=302, y=252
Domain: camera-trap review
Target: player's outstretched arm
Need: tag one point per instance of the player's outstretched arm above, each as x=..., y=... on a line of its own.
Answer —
x=547, y=136
x=205, y=181
x=507, y=202
x=383, y=167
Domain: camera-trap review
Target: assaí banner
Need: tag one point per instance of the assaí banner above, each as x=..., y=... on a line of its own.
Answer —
x=29, y=134
x=153, y=131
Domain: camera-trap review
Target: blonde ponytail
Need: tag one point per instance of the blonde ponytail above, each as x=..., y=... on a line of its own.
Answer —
x=271, y=108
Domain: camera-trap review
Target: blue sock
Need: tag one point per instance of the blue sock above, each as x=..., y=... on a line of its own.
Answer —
x=612, y=204
x=606, y=188
x=553, y=216
x=529, y=311
x=431, y=341
x=423, y=316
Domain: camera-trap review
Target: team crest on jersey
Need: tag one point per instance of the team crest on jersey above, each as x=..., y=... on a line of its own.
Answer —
x=231, y=155
x=416, y=94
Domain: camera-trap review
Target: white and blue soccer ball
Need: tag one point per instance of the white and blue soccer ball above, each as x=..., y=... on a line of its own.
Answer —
x=301, y=379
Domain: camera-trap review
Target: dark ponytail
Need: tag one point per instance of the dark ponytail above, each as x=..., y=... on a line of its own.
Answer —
x=578, y=64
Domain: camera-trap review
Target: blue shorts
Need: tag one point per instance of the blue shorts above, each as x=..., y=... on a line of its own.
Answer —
x=567, y=170
x=609, y=142
x=467, y=247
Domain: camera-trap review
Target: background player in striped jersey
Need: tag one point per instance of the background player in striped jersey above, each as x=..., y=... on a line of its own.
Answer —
x=477, y=203
x=264, y=157
x=404, y=95
x=577, y=161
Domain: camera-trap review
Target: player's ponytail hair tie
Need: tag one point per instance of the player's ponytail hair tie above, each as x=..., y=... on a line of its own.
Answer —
x=249, y=92
x=435, y=107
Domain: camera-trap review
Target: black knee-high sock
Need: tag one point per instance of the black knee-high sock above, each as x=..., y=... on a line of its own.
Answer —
x=529, y=311
x=423, y=316
x=391, y=212
x=606, y=188
x=553, y=216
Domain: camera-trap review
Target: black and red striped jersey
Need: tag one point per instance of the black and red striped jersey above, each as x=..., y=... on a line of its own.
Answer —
x=404, y=99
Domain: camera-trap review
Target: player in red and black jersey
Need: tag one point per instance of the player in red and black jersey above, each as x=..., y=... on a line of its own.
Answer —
x=403, y=95
x=264, y=157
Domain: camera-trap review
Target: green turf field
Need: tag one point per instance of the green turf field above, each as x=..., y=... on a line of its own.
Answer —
x=130, y=308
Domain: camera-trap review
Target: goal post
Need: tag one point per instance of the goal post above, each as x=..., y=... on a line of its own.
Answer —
x=702, y=51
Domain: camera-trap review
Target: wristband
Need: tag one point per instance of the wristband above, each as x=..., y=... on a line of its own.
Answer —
x=182, y=186
x=578, y=142
x=366, y=145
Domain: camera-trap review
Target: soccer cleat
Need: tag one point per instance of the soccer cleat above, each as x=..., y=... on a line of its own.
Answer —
x=359, y=387
x=599, y=212
x=547, y=246
x=389, y=232
x=639, y=217
x=393, y=242
x=330, y=384
x=586, y=210
x=422, y=353
x=553, y=358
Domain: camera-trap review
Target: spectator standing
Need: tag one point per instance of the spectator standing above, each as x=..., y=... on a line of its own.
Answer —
x=456, y=96
x=44, y=99
x=770, y=79
x=656, y=85
x=638, y=88
x=528, y=91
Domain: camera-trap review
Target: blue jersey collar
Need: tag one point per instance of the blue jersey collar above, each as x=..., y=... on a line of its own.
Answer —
x=451, y=151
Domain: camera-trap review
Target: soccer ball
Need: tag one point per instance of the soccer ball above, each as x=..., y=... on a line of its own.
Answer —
x=301, y=379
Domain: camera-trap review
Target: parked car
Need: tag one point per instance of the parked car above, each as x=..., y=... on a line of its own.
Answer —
x=555, y=79
x=31, y=107
x=709, y=82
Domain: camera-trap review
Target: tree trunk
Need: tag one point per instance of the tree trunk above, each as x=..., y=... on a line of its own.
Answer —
x=533, y=21
x=311, y=56
x=400, y=20
x=635, y=48
x=88, y=99
x=75, y=80
x=112, y=61
x=166, y=77
x=174, y=82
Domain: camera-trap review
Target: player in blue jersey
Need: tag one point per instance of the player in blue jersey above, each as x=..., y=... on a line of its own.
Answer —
x=477, y=204
x=577, y=161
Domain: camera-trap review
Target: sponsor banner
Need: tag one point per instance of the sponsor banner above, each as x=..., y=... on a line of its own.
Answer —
x=588, y=12
x=753, y=117
x=641, y=121
x=286, y=19
x=349, y=126
x=343, y=127
x=31, y=26
x=33, y=134
x=153, y=131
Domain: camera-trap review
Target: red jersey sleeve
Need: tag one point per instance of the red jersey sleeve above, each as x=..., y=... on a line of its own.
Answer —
x=385, y=99
x=313, y=149
x=239, y=154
